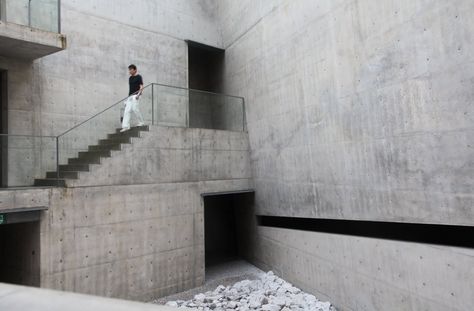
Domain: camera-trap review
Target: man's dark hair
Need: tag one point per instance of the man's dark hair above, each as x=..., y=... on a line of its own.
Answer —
x=132, y=67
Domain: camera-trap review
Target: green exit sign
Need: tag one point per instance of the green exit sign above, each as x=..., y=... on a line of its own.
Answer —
x=3, y=219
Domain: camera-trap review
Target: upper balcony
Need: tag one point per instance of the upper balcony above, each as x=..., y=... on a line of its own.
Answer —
x=30, y=29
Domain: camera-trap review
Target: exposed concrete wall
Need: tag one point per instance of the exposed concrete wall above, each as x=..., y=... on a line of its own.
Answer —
x=357, y=110
x=236, y=18
x=103, y=39
x=133, y=227
x=52, y=94
x=97, y=57
x=181, y=19
x=171, y=154
x=136, y=242
x=361, y=273
x=368, y=274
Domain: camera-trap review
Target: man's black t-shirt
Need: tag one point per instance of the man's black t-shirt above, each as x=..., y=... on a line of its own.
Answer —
x=134, y=82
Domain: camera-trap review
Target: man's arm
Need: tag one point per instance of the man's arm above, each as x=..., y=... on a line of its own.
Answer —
x=139, y=93
x=141, y=87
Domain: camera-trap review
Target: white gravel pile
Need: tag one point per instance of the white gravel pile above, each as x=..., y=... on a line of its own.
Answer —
x=269, y=293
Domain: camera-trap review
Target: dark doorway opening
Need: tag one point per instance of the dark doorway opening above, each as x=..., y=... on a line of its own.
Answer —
x=205, y=65
x=3, y=128
x=20, y=254
x=226, y=227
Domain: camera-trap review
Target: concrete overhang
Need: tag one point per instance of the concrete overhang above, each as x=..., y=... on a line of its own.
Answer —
x=23, y=204
x=22, y=42
x=245, y=191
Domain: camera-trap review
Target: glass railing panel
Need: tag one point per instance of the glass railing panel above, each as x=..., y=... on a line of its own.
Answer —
x=182, y=107
x=215, y=111
x=26, y=158
x=39, y=14
x=44, y=15
x=145, y=104
x=16, y=11
x=170, y=105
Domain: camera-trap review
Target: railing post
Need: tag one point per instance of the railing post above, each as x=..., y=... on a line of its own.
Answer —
x=244, y=117
x=29, y=13
x=59, y=16
x=57, y=160
x=3, y=11
x=152, y=104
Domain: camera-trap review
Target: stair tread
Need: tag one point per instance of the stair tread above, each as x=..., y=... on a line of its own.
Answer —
x=51, y=179
x=63, y=174
x=95, y=153
x=116, y=146
x=74, y=167
x=84, y=161
x=144, y=128
x=50, y=182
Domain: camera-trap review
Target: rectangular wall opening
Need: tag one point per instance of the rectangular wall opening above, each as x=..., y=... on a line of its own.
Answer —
x=449, y=235
x=20, y=253
x=225, y=227
x=3, y=128
x=205, y=65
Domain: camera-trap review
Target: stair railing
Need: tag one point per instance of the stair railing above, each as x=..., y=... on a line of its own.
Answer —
x=160, y=104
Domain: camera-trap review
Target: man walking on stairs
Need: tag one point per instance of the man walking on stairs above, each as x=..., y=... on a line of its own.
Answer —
x=131, y=103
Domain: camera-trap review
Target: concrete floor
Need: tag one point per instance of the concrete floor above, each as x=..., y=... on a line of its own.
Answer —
x=20, y=298
x=226, y=274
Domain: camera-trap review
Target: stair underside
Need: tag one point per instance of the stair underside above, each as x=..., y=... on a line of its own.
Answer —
x=93, y=155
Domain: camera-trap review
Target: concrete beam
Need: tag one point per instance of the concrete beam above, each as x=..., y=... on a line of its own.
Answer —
x=26, y=43
x=16, y=200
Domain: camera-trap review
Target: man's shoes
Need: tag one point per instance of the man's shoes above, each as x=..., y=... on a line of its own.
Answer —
x=141, y=124
x=124, y=129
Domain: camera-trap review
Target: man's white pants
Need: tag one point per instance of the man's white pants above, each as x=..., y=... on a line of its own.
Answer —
x=131, y=105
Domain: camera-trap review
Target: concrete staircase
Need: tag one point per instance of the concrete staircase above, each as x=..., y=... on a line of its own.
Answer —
x=85, y=159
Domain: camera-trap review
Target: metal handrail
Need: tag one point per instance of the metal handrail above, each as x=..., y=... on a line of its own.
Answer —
x=34, y=136
x=121, y=101
x=148, y=85
x=199, y=91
